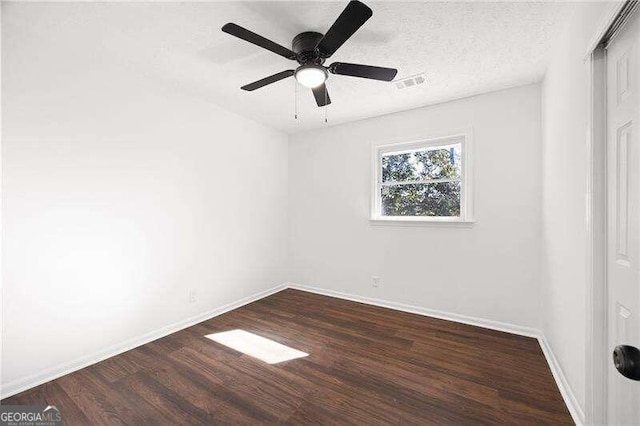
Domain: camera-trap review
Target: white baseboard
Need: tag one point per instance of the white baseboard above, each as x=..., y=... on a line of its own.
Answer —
x=464, y=319
x=563, y=385
x=24, y=383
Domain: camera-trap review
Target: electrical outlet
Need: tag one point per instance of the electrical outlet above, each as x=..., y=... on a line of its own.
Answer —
x=376, y=281
x=193, y=296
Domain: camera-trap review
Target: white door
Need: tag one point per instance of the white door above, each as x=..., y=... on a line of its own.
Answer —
x=623, y=222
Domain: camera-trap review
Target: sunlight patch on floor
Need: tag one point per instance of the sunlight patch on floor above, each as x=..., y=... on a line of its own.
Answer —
x=256, y=346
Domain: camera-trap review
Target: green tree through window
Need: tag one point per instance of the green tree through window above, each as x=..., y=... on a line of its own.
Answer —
x=423, y=182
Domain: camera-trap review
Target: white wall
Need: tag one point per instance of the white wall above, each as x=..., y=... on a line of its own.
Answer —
x=566, y=111
x=119, y=195
x=489, y=271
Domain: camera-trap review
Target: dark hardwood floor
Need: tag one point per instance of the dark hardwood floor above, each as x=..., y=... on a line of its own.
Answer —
x=367, y=365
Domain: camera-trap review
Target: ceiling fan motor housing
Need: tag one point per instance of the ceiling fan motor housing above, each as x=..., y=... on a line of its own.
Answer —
x=304, y=46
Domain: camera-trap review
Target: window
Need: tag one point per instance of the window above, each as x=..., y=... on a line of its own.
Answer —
x=422, y=181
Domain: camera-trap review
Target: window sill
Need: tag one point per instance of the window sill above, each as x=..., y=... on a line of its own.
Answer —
x=411, y=222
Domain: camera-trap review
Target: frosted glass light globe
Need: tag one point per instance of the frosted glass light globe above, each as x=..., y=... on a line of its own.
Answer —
x=311, y=75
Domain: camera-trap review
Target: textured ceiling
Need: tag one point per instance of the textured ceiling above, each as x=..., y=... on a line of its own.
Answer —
x=462, y=49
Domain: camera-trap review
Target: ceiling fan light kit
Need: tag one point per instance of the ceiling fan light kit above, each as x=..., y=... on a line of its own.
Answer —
x=311, y=49
x=311, y=75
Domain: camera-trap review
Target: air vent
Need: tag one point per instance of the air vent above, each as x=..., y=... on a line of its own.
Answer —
x=414, y=80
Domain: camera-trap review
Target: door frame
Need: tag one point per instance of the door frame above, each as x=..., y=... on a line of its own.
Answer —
x=597, y=354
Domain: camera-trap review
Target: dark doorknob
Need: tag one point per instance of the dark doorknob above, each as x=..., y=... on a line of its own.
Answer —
x=627, y=361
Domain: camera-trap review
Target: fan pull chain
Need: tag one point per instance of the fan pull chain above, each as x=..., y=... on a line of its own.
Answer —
x=326, y=106
x=295, y=96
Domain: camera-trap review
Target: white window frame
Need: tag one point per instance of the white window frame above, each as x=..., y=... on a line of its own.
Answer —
x=466, y=212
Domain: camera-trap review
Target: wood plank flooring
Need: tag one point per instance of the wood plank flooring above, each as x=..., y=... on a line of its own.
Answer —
x=367, y=365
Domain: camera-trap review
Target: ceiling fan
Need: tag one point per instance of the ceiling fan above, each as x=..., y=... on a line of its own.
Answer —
x=311, y=49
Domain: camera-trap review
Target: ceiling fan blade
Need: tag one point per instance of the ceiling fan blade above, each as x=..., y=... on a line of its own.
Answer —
x=267, y=80
x=351, y=18
x=364, y=71
x=322, y=95
x=258, y=40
